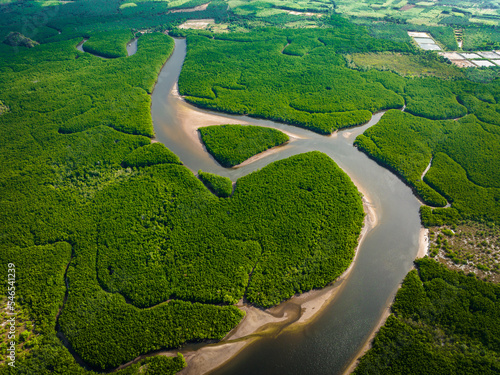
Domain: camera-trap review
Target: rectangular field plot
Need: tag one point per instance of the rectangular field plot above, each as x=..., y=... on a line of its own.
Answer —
x=430, y=47
x=197, y=24
x=496, y=62
x=471, y=55
x=483, y=63
x=418, y=34
x=452, y=56
x=489, y=55
x=424, y=40
x=463, y=63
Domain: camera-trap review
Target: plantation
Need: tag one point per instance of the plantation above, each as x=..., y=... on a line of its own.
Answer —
x=443, y=322
x=233, y=144
x=405, y=65
x=399, y=32
x=481, y=38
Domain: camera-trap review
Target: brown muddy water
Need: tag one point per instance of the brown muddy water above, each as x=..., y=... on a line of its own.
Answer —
x=329, y=343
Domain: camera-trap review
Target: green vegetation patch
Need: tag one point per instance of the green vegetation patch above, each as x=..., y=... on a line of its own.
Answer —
x=295, y=76
x=443, y=322
x=213, y=244
x=409, y=155
x=406, y=64
x=220, y=186
x=39, y=280
x=116, y=332
x=150, y=243
x=110, y=44
x=434, y=99
x=464, y=166
x=233, y=144
x=481, y=38
x=398, y=32
x=152, y=154
x=48, y=202
x=3, y=108
x=161, y=365
x=34, y=288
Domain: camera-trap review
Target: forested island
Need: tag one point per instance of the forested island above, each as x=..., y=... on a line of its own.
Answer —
x=113, y=250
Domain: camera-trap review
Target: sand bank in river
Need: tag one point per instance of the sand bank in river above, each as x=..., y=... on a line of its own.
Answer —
x=423, y=243
x=262, y=155
x=192, y=119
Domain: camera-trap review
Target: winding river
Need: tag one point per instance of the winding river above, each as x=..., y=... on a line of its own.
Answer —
x=329, y=343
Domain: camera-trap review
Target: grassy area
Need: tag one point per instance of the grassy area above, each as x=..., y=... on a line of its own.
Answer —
x=470, y=247
x=406, y=65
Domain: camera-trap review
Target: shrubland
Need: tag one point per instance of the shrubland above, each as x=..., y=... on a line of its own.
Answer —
x=469, y=246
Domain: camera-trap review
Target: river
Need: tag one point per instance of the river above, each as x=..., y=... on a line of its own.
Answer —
x=329, y=343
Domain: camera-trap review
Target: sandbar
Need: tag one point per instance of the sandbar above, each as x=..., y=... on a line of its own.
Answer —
x=192, y=119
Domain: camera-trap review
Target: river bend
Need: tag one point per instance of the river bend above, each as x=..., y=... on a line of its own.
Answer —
x=329, y=343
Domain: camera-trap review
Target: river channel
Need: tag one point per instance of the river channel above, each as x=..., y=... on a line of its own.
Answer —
x=329, y=343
